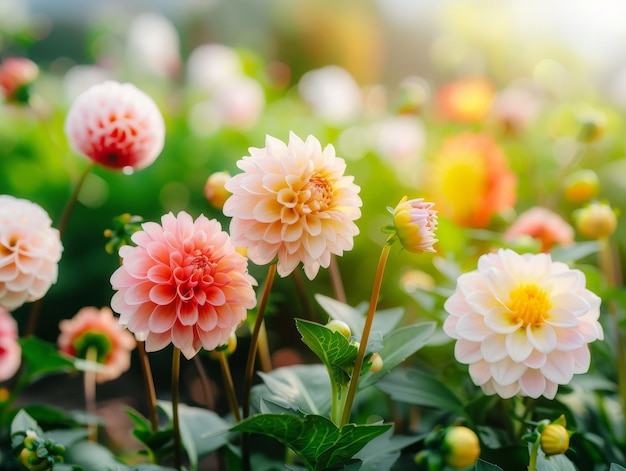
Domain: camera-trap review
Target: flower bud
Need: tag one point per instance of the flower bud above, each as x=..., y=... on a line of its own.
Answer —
x=377, y=363
x=581, y=186
x=214, y=190
x=461, y=447
x=228, y=348
x=16, y=76
x=339, y=326
x=592, y=126
x=554, y=439
x=596, y=221
x=414, y=223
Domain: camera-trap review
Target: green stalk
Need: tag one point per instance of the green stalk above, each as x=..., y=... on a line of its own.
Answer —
x=149, y=383
x=178, y=455
x=230, y=387
x=345, y=418
x=534, y=451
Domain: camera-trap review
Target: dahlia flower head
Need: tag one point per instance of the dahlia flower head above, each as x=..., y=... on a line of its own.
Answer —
x=183, y=283
x=10, y=350
x=116, y=125
x=30, y=250
x=98, y=329
x=415, y=223
x=292, y=201
x=544, y=225
x=522, y=323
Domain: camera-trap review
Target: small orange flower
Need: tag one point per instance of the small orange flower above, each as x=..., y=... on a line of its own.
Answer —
x=467, y=100
x=470, y=180
x=544, y=225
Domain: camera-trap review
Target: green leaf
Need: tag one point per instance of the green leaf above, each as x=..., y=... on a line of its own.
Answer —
x=616, y=467
x=303, y=388
x=482, y=465
x=398, y=346
x=21, y=423
x=415, y=387
x=314, y=438
x=552, y=463
x=92, y=456
x=383, y=451
x=43, y=358
x=201, y=431
x=332, y=348
x=384, y=320
x=575, y=252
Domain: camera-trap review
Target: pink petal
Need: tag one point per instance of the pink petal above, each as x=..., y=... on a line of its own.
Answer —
x=162, y=294
x=532, y=383
x=138, y=293
x=162, y=319
x=480, y=372
x=559, y=367
x=536, y=360
x=472, y=327
x=506, y=371
x=582, y=360
x=467, y=352
x=568, y=339
x=182, y=336
x=493, y=348
x=155, y=342
x=188, y=313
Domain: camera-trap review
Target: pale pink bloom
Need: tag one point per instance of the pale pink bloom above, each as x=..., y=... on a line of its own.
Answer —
x=332, y=93
x=98, y=329
x=15, y=74
x=116, y=125
x=239, y=103
x=153, y=44
x=415, y=223
x=292, y=201
x=522, y=323
x=183, y=283
x=212, y=65
x=30, y=250
x=10, y=350
x=544, y=225
x=516, y=107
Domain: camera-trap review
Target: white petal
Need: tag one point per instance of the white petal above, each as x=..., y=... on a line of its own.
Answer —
x=518, y=346
x=570, y=302
x=532, y=383
x=467, y=352
x=500, y=320
x=542, y=337
x=506, y=391
x=480, y=372
x=472, y=327
x=506, y=371
x=582, y=360
x=559, y=367
x=536, y=359
x=568, y=339
x=493, y=348
x=561, y=317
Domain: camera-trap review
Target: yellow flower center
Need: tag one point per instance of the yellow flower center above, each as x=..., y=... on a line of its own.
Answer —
x=321, y=193
x=529, y=304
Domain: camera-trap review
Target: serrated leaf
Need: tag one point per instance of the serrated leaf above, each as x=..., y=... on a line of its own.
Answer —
x=398, y=346
x=416, y=387
x=201, y=431
x=332, y=348
x=303, y=388
x=314, y=438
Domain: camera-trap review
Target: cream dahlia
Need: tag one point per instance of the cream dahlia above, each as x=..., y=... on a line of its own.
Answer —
x=522, y=323
x=116, y=125
x=98, y=329
x=30, y=250
x=292, y=201
x=183, y=283
x=10, y=350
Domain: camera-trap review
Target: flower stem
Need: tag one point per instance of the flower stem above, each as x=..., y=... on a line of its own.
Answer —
x=204, y=382
x=149, y=382
x=230, y=387
x=36, y=307
x=358, y=363
x=534, y=451
x=335, y=277
x=263, y=350
x=175, y=400
x=249, y=371
x=89, y=383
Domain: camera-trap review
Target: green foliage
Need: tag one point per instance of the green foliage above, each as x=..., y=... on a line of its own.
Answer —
x=318, y=442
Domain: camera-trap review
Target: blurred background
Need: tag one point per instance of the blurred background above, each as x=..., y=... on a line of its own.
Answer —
x=362, y=75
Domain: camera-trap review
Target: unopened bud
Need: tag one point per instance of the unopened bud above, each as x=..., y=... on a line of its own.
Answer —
x=377, y=363
x=215, y=190
x=339, y=326
x=596, y=221
x=461, y=447
x=581, y=186
x=554, y=440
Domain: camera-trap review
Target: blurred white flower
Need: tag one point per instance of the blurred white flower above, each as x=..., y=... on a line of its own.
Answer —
x=82, y=77
x=30, y=250
x=153, y=44
x=211, y=65
x=332, y=93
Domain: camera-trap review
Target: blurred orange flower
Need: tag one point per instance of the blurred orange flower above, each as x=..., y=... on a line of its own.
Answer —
x=466, y=100
x=470, y=180
x=544, y=225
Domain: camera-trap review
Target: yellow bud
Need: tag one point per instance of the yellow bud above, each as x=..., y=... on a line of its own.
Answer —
x=581, y=186
x=596, y=220
x=228, y=348
x=377, y=363
x=554, y=439
x=339, y=326
x=461, y=447
x=214, y=189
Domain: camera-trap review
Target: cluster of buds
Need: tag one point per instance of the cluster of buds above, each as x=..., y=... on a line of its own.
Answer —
x=39, y=454
x=455, y=446
x=124, y=226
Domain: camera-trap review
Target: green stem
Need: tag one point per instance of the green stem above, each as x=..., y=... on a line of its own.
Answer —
x=89, y=383
x=534, y=451
x=230, y=387
x=335, y=277
x=345, y=418
x=36, y=307
x=249, y=371
x=204, y=382
x=335, y=410
x=178, y=455
x=149, y=382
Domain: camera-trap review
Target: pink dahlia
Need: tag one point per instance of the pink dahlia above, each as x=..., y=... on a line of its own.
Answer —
x=183, y=283
x=292, y=201
x=30, y=250
x=10, y=350
x=544, y=225
x=116, y=125
x=522, y=323
x=98, y=329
